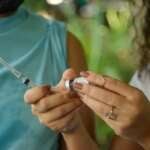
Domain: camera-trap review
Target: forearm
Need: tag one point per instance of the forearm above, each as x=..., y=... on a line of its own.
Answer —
x=79, y=140
x=125, y=144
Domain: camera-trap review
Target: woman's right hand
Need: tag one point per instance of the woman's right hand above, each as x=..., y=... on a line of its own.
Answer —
x=56, y=107
x=122, y=107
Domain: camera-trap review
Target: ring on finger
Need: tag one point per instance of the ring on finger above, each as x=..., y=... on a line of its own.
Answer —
x=111, y=114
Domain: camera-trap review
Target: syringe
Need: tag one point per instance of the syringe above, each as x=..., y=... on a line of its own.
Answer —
x=20, y=76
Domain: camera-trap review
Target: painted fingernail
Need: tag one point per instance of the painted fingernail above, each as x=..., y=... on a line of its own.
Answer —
x=84, y=74
x=78, y=86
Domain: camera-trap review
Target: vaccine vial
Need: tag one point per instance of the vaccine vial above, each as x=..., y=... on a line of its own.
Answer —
x=69, y=83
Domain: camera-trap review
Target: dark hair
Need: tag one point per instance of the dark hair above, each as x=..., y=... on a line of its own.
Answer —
x=142, y=38
x=8, y=6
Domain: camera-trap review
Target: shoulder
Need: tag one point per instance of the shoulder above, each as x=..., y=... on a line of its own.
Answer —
x=38, y=21
x=76, y=55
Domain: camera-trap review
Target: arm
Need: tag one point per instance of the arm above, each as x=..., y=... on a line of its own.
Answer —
x=120, y=142
x=77, y=61
x=84, y=137
x=124, y=108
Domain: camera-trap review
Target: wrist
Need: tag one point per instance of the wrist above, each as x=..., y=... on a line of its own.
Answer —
x=79, y=139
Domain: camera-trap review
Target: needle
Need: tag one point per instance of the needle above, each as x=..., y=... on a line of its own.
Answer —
x=20, y=76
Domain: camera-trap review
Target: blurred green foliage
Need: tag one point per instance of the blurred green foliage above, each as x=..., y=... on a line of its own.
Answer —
x=107, y=42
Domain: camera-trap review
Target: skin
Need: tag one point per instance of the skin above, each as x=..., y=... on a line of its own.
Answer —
x=58, y=109
x=130, y=105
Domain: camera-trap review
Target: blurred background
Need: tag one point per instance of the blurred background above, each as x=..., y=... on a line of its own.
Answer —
x=104, y=28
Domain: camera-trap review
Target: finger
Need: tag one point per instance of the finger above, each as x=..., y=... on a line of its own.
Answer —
x=93, y=78
x=102, y=111
x=35, y=94
x=110, y=84
x=123, y=115
x=67, y=75
x=59, y=112
x=102, y=95
x=119, y=87
x=99, y=108
x=51, y=101
x=65, y=122
x=122, y=118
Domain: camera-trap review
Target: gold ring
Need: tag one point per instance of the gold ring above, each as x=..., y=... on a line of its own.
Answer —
x=111, y=115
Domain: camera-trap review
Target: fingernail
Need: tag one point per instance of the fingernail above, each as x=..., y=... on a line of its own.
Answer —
x=84, y=74
x=78, y=86
x=26, y=98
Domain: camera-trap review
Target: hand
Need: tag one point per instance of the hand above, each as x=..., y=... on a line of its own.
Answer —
x=56, y=109
x=122, y=107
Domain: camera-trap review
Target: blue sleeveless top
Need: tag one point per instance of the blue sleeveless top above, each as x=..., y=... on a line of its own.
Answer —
x=36, y=47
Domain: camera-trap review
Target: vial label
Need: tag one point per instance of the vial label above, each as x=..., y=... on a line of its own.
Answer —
x=69, y=83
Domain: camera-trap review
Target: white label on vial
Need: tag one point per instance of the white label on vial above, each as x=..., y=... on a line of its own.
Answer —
x=80, y=80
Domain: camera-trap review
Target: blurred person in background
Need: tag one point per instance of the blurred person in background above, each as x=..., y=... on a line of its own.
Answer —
x=42, y=49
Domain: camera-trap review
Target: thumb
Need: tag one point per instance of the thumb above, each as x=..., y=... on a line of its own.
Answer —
x=67, y=75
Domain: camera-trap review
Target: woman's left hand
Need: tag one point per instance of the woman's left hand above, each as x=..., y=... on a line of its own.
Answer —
x=124, y=108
